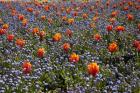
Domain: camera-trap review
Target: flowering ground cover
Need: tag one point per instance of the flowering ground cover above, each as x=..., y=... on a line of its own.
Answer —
x=70, y=46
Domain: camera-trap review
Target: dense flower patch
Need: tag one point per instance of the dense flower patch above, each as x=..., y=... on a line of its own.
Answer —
x=75, y=47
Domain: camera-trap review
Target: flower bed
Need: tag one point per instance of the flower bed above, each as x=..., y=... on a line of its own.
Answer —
x=72, y=47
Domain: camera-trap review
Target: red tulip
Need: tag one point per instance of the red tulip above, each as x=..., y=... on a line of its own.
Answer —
x=2, y=31
x=66, y=46
x=136, y=43
x=97, y=37
x=68, y=32
x=130, y=17
x=10, y=37
x=75, y=14
x=20, y=17
x=27, y=67
x=109, y=28
x=139, y=26
x=138, y=48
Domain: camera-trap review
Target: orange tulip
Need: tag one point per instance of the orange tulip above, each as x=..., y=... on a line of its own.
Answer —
x=130, y=3
x=43, y=17
x=125, y=8
x=68, y=10
x=93, y=69
x=66, y=46
x=40, y=52
x=24, y=22
x=113, y=47
x=114, y=13
x=71, y=20
x=74, y=58
x=92, y=25
x=57, y=37
x=95, y=18
x=112, y=20
x=30, y=9
x=10, y=37
x=62, y=9
x=20, y=42
x=47, y=7
x=130, y=17
x=69, y=32
x=27, y=67
x=97, y=37
x=120, y=28
x=42, y=34
x=35, y=31
x=5, y=26
x=64, y=18
x=85, y=16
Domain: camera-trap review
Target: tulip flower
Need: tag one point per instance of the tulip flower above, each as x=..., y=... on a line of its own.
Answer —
x=109, y=28
x=20, y=42
x=74, y=58
x=40, y=52
x=68, y=32
x=30, y=9
x=71, y=20
x=136, y=43
x=35, y=31
x=57, y=37
x=93, y=69
x=97, y=37
x=120, y=28
x=27, y=67
x=20, y=17
x=66, y=46
x=2, y=31
x=5, y=26
x=113, y=47
x=10, y=37
x=130, y=17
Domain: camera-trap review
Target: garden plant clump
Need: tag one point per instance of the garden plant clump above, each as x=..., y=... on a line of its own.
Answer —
x=70, y=46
